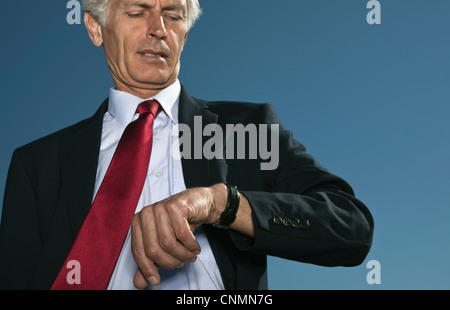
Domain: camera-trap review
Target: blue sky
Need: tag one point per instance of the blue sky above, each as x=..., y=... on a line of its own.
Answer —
x=370, y=102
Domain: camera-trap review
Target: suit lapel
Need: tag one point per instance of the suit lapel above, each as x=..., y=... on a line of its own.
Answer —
x=199, y=172
x=79, y=157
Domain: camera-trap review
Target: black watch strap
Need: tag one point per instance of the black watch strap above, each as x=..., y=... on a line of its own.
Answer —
x=229, y=214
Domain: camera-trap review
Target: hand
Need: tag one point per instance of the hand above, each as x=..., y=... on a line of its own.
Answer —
x=162, y=234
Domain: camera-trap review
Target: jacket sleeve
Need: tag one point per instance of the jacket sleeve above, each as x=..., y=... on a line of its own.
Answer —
x=19, y=233
x=305, y=213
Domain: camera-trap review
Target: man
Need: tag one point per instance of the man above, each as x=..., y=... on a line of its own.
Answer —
x=191, y=229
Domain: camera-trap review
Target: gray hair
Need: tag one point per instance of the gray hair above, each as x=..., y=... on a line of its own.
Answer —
x=99, y=9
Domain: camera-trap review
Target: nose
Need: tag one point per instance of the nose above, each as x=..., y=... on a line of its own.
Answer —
x=156, y=27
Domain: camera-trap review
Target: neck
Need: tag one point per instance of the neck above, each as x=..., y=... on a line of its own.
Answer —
x=144, y=91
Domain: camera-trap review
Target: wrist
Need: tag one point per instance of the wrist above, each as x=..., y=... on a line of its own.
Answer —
x=219, y=201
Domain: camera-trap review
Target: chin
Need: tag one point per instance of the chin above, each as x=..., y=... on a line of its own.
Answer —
x=155, y=79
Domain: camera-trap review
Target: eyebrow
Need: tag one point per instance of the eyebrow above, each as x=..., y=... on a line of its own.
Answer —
x=141, y=4
x=144, y=5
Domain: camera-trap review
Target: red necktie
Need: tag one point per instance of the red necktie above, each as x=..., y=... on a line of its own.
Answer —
x=104, y=230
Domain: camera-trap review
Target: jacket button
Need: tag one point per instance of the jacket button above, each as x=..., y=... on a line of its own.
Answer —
x=277, y=220
x=296, y=223
x=286, y=222
x=304, y=224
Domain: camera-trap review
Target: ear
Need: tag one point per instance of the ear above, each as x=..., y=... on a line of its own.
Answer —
x=94, y=29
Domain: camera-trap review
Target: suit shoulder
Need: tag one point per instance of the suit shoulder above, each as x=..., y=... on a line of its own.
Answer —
x=48, y=140
x=48, y=143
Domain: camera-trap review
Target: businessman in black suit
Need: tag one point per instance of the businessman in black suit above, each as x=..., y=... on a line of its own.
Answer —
x=298, y=211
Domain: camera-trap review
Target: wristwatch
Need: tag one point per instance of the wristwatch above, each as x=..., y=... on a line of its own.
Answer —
x=229, y=214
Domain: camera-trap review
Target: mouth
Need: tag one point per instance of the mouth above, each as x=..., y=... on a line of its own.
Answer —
x=153, y=54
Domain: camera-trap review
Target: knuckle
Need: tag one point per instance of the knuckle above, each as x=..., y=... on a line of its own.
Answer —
x=159, y=206
x=152, y=252
x=145, y=211
x=137, y=250
x=167, y=243
x=172, y=206
x=182, y=234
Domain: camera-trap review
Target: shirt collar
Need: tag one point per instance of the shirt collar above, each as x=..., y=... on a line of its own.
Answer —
x=122, y=105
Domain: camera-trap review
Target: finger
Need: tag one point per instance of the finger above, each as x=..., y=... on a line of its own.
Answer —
x=184, y=232
x=168, y=239
x=147, y=269
x=141, y=282
x=150, y=238
x=193, y=227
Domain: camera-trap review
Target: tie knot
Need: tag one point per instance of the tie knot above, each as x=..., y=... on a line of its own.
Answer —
x=149, y=106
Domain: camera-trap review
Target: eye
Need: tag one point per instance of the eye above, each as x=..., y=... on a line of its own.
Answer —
x=173, y=17
x=135, y=14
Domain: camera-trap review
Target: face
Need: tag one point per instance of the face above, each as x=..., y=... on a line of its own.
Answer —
x=143, y=41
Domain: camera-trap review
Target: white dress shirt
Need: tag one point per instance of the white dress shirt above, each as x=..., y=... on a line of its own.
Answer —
x=164, y=179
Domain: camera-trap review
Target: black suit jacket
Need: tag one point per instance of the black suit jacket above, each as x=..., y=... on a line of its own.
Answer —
x=301, y=211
